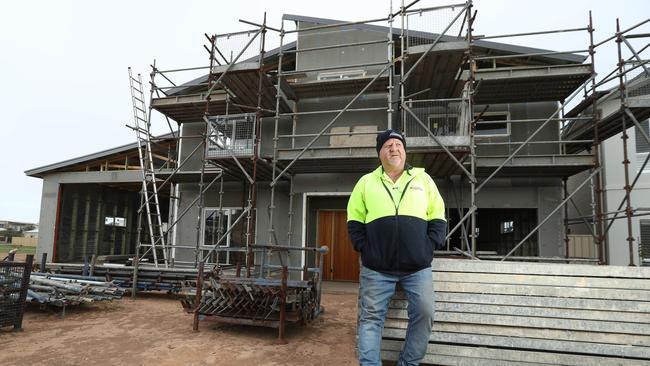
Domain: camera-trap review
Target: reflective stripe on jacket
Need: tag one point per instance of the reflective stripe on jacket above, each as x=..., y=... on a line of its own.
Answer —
x=396, y=226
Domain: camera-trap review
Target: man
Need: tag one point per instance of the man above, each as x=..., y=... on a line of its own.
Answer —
x=395, y=220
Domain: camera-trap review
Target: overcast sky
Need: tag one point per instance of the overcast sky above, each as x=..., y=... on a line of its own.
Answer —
x=63, y=64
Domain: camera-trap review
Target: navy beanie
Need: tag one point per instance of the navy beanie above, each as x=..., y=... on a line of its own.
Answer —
x=389, y=134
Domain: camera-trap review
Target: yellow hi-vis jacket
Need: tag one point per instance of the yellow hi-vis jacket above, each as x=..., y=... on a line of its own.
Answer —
x=396, y=226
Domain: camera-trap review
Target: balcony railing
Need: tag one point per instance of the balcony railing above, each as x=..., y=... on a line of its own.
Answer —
x=231, y=135
x=443, y=117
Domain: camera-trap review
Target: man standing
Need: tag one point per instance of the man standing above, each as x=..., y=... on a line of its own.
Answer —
x=395, y=220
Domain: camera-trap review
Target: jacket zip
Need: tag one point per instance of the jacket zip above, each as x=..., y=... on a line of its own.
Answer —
x=396, y=231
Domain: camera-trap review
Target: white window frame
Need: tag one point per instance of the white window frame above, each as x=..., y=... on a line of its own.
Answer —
x=495, y=113
x=341, y=75
x=230, y=216
x=112, y=221
x=641, y=156
x=642, y=224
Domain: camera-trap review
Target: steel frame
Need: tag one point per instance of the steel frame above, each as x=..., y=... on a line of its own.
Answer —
x=391, y=67
x=603, y=221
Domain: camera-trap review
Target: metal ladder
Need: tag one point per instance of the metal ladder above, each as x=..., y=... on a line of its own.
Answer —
x=150, y=204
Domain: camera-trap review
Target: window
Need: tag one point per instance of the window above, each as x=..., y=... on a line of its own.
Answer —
x=340, y=75
x=492, y=124
x=642, y=146
x=507, y=227
x=644, y=242
x=115, y=221
x=216, y=224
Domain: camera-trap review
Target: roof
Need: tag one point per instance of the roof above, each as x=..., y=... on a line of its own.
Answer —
x=504, y=47
x=204, y=78
x=40, y=171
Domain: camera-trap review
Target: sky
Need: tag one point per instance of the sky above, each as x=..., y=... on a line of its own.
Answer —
x=63, y=64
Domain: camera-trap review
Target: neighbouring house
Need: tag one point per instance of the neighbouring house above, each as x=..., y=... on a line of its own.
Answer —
x=10, y=230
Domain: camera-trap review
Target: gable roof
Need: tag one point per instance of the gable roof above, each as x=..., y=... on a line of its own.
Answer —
x=503, y=47
x=488, y=45
x=40, y=171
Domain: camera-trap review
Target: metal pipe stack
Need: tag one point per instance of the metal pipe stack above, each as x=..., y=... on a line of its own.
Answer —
x=63, y=290
x=149, y=278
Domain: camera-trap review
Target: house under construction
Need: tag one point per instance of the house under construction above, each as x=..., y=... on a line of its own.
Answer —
x=250, y=185
x=265, y=148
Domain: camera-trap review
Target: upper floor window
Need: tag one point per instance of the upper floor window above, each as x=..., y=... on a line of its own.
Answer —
x=492, y=124
x=339, y=75
x=642, y=146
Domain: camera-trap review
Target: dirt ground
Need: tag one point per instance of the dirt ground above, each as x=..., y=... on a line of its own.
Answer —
x=153, y=330
x=19, y=256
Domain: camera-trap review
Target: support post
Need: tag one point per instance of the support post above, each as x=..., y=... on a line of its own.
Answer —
x=472, y=123
x=624, y=137
x=43, y=262
x=197, y=297
x=595, y=150
x=566, y=218
x=283, y=306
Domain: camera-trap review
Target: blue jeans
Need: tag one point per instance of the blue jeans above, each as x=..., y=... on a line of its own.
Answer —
x=375, y=292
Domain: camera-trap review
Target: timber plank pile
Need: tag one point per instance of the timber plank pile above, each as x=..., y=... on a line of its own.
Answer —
x=504, y=313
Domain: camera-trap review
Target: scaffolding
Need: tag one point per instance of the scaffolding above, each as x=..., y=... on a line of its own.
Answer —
x=429, y=76
x=626, y=99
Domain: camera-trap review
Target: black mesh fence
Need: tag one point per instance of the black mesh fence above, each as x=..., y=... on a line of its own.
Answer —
x=14, y=282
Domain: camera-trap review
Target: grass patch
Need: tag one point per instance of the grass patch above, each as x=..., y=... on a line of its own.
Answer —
x=5, y=248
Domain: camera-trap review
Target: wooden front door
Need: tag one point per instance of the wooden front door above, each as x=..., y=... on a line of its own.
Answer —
x=341, y=262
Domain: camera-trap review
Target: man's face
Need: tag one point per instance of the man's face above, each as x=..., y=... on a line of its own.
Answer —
x=392, y=154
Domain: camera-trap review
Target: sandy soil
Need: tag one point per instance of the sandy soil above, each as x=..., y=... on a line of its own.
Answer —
x=153, y=330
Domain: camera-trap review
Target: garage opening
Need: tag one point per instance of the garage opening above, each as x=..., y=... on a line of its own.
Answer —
x=96, y=219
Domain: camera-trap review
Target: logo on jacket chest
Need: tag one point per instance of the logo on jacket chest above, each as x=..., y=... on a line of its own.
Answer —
x=416, y=188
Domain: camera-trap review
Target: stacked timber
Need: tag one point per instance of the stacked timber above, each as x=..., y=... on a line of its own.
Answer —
x=504, y=313
x=64, y=290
